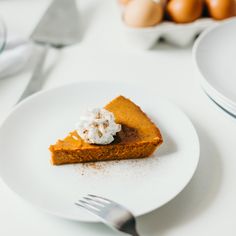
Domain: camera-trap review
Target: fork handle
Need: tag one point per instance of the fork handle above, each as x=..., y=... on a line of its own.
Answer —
x=36, y=81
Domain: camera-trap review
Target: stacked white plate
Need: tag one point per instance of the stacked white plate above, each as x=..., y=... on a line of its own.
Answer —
x=215, y=58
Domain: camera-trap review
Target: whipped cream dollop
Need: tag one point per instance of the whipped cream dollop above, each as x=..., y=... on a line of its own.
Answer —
x=98, y=126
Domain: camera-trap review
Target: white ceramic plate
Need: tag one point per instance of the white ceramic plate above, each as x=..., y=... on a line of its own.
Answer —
x=141, y=185
x=221, y=102
x=215, y=58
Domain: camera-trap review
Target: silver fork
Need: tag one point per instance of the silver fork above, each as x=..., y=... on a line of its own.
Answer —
x=110, y=213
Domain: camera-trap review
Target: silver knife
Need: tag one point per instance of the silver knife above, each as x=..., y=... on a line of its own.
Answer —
x=58, y=28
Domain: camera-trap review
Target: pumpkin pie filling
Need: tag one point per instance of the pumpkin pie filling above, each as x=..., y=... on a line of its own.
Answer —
x=138, y=138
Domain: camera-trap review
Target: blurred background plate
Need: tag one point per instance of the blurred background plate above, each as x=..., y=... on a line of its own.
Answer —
x=215, y=59
x=3, y=35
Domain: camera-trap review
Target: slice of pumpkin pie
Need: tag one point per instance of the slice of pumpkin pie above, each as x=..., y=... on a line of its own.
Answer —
x=121, y=130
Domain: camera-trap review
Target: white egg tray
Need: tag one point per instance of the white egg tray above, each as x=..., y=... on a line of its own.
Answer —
x=178, y=34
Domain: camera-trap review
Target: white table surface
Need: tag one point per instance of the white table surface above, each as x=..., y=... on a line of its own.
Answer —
x=207, y=205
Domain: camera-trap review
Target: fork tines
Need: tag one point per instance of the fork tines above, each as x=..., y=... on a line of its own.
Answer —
x=93, y=203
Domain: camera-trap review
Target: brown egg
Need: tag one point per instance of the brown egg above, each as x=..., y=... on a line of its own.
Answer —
x=184, y=11
x=143, y=13
x=124, y=2
x=221, y=9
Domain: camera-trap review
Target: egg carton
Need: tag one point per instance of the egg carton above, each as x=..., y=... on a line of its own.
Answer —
x=177, y=34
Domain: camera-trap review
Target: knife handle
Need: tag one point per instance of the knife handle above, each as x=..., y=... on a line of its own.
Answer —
x=36, y=81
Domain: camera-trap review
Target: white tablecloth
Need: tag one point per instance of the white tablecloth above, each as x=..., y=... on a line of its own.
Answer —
x=207, y=205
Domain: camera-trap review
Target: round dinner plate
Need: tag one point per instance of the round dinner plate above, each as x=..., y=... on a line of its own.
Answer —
x=141, y=185
x=218, y=100
x=215, y=58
